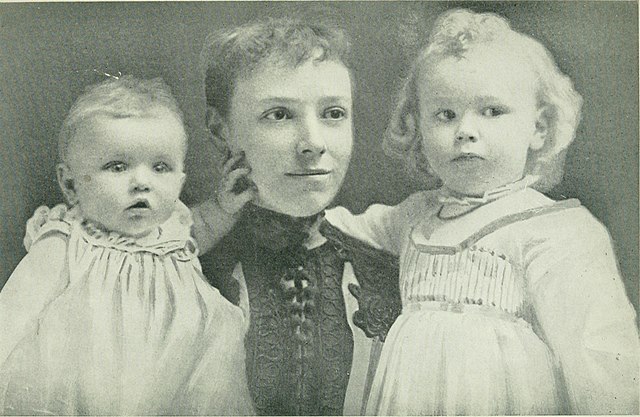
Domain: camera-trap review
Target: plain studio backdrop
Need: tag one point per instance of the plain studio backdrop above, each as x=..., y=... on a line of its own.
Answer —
x=50, y=52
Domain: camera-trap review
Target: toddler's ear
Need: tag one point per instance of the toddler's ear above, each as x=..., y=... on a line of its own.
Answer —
x=219, y=129
x=541, y=130
x=67, y=183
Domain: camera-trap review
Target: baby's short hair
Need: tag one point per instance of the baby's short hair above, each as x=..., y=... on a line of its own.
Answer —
x=230, y=54
x=455, y=32
x=121, y=97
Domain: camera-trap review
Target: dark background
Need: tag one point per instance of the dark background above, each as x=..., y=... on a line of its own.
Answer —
x=50, y=51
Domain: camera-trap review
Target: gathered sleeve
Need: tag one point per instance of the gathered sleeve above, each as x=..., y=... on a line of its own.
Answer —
x=584, y=314
x=383, y=227
x=36, y=281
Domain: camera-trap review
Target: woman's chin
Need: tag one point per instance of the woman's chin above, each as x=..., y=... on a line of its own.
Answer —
x=298, y=208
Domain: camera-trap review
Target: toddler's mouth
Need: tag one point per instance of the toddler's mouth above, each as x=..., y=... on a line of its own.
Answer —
x=467, y=157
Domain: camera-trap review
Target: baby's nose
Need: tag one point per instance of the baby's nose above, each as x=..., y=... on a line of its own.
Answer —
x=141, y=180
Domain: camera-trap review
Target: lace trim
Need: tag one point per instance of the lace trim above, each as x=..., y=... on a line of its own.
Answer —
x=171, y=236
x=377, y=292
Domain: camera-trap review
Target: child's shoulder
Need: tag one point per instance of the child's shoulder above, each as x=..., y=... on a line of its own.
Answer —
x=562, y=220
x=48, y=225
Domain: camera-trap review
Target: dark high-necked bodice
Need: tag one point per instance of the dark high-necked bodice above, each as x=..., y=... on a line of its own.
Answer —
x=299, y=344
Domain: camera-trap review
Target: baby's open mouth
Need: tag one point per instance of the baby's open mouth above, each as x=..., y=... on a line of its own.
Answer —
x=142, y=204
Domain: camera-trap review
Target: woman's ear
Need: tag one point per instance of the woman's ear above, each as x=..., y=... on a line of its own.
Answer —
x=541, y=130
x=67, y=183
x=218, y=129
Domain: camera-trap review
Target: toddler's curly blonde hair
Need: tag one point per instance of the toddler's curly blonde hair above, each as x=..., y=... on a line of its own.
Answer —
x=454, y=33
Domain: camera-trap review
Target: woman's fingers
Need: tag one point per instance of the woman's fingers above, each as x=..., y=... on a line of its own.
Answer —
x=232, y=163
x=232, y=177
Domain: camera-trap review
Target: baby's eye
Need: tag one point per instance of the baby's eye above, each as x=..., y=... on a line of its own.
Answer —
x=115, y=166
x=277, y=114
x=493, y=111
x=446, y=115
x=334, y=113
x=161, y=167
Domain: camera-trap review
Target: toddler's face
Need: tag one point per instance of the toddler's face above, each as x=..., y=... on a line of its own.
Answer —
x=128, y=173
x=479, y=118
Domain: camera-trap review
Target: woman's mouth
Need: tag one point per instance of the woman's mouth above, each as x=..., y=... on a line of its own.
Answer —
x=308, y=173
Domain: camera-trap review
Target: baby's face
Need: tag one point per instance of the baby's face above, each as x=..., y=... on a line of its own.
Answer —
x=128, y=173
x=479, y=118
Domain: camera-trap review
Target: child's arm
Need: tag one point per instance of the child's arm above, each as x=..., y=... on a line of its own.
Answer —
x=383, y=227
x=585, y=316
x=38, y=279
x=214, y=218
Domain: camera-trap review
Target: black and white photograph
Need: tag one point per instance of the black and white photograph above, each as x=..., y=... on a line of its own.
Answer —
x=319, y=208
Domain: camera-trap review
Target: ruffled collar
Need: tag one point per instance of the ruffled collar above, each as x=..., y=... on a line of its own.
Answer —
x=447, y=196
x=274, y=230
x=173, y=234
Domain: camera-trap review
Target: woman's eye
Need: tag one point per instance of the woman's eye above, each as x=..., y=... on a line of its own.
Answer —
x=115, y=166
x=277, y=114
x=446, y=115
x=161, y=167
x=334, y=113
x=493, y=112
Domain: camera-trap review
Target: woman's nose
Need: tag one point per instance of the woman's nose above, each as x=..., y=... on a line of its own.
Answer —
x=467, y=129
x=311, y=141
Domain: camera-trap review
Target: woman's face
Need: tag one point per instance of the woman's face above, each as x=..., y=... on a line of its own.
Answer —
x=295, y=126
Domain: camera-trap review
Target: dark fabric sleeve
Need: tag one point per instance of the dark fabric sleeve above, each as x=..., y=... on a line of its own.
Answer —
x=218, y=265
x=377, y=273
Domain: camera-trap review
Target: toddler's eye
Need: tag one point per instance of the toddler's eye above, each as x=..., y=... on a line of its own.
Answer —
x=277, y=114
x=161, y=167
x=493, y=112
x=446, y=115
x=115, y=166
x=335, y=113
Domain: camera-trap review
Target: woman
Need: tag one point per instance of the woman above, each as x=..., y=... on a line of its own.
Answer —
x=318, y=302
x=280, y=91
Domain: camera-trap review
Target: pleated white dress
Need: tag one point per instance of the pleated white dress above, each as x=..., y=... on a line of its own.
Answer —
x=97, y=323
x=515, y=308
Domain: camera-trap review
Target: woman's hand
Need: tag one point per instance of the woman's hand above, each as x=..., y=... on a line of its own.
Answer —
x=235, y=189
x=42, y=215
x=215, y=217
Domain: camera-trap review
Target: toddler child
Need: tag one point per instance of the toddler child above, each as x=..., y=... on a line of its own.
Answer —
x=512, y=302
x=109, y=313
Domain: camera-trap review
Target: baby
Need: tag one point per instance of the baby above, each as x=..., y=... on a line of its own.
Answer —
x=512, y=302
x=109, y=313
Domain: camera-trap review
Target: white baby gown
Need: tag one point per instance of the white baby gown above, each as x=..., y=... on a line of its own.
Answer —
x=98, y=323
x=514, y=308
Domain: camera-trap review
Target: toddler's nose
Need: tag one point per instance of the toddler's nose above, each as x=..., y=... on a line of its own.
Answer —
x=467, y=129
x=463, y=136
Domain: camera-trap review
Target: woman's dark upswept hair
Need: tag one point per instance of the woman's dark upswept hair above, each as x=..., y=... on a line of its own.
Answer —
x=455, y=32
x=229, y=54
